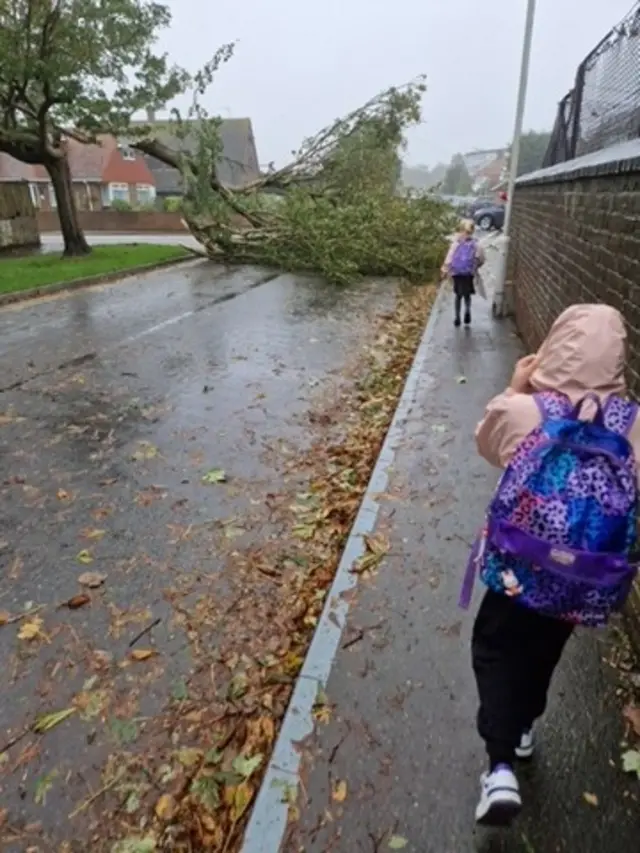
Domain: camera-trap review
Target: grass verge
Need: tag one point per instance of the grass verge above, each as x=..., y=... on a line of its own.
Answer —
x=32, y=271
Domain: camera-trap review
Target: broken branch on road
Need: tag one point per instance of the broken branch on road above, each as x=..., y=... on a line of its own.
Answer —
x=335, y=209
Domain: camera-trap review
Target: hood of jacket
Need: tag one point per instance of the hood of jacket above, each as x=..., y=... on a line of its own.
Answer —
x=585, y=350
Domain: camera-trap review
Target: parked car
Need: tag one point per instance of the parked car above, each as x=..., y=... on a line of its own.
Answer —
x=476, y=205
x=490, y=217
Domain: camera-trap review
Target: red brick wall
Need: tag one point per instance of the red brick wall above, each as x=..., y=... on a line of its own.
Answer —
x=118, y=222
x=578, y=240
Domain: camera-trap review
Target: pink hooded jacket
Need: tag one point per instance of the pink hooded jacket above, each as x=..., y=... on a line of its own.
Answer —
x=584, y=351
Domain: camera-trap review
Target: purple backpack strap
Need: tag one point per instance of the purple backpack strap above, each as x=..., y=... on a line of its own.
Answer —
x=552, y=404
x=620, y=414
x=468, y=582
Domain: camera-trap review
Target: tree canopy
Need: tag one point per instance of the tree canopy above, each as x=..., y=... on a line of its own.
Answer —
x=533, y=146
x=457, y=180
x=423, y=177
x=77, y=66
x=339, y=211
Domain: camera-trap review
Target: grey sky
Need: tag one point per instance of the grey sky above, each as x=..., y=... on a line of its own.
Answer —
x=300, y=64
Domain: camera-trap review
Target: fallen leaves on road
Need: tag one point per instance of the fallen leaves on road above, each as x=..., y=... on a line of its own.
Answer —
x=142, y=654
x=145, y=451
x=49, y=721
x=339, y=793
x=184, y=779
x=631, y=762
x=77, y=601
x=43, y=786
x=377, y=547
x=7, y=418
x=632, y=715
x=31, y=629
x=84, y=557
x=216, y=475
x=165, y=807
x=92, y=533
x=92, y=579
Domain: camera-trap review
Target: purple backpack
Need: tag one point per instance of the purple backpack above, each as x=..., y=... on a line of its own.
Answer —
x=560, y=531
x=464, y=260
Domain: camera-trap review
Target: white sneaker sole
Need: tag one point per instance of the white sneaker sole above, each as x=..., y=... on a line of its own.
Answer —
x=501, y=812
x=525, y=753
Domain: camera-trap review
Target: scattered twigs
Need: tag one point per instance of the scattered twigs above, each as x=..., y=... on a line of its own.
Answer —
x=144, y=631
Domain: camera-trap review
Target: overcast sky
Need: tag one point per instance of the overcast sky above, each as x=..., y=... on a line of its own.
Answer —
x=299, y=64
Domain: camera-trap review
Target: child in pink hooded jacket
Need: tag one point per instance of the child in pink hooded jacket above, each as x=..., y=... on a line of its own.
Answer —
x=516, y=650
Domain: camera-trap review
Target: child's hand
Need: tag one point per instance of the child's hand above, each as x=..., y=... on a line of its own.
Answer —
x=444, y=272
x=522, y=374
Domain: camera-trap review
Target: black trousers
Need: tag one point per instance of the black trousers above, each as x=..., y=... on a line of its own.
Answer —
x=463, y=289
x=514, y=651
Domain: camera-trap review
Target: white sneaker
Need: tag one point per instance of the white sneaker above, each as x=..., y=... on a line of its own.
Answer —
x=500, y=800
x=526, y=746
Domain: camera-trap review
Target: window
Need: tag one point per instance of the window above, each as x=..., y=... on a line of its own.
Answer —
x=146, y=194
x=127, y=153
x=118, y=192
x=52, y=197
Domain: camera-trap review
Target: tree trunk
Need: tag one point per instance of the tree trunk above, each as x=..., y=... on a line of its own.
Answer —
x=75, y=243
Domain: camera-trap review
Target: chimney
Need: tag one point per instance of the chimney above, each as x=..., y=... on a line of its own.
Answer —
x=151, y=115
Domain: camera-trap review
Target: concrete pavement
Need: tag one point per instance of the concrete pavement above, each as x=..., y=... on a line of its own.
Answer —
x=389, y=757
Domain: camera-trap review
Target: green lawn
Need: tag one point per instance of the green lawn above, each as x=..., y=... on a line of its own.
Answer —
x=26, y=273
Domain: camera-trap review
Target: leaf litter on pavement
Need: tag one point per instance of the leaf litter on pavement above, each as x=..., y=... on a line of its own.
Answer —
x=184, y=778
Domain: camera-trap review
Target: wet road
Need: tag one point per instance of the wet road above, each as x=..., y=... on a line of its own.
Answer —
x=397, y=764
x=115, y=404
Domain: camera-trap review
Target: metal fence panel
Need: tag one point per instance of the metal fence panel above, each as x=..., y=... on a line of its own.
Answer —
x=603, y=108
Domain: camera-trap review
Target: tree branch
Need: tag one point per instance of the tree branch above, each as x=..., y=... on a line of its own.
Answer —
x=21, y=146
x=154, y=148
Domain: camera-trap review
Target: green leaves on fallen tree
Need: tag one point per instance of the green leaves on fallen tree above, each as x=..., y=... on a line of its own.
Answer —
x=334, y=210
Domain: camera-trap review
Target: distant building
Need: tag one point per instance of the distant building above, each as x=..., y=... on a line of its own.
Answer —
x=101, y=174
x=485, y=167
x=238, y=163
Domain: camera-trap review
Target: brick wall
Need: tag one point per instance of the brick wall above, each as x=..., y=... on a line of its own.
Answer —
x=118, y=222
x=576, y=238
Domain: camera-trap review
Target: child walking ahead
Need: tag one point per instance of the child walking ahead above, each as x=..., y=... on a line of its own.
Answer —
x=560, y=535
x=464, y=259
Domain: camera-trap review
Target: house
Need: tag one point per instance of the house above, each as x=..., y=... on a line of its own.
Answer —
x=101, y=175
x=485, y=167
x=490, y=176
x=476, y=161
x=238, y=163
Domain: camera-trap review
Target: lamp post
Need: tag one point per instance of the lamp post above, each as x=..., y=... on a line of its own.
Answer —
x=498, y=307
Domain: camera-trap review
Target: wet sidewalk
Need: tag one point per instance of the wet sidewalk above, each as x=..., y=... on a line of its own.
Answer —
x=394, y=759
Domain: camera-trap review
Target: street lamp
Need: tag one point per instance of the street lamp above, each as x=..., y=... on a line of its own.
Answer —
x=498, y=306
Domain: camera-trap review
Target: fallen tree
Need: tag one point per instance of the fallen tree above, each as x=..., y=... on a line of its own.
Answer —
x=334, y=210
